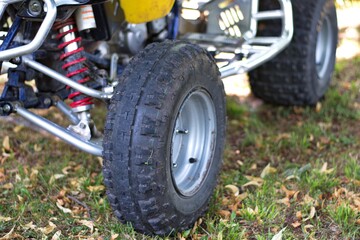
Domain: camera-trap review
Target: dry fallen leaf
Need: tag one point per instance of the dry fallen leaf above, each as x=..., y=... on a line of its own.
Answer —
x=267, y=170
x=357, y=182
x=241, y=197
x=7, y=186
x=56, y=236
x=282, y=136
x=234, y=189
x=311, y=215
x=278, y=236
x=307, y=199
x=18, y=128
x=299, y=215
x=288, y=193
x=55, y=177
x=89, y=224
x=253, y=166
x=252, y=183
x=324, y=167
x=65, y=170
x=6, y=144
x=252, y=211
x=4, y=219
x=29, y=225
x=65, y=210
x=97, y=188
x=318, y=107
x=325, y=170
x=224, y=213
x=101, y=161
x=37, y=148
x=296, y=224
x=285, y=201
x=33, y=175
x=115, y=236
x=48, y=229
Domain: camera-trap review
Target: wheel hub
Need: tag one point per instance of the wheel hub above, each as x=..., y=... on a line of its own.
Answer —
x=324, y=48
x=193, y=139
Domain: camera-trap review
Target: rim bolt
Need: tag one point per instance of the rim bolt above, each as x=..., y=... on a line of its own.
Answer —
x=192, y=160
x=182, y=131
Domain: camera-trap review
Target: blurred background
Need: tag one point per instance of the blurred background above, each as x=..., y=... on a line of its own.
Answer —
x=348, y=12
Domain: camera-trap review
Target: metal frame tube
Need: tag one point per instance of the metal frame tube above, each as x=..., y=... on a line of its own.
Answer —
x=4, y=4
x=64, y=108
x=60, y=132
x=40, y=36
x=270, y=52
x=65, y=80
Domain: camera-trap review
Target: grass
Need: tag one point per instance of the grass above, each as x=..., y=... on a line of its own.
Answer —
x=312, y=189
x=308, y=158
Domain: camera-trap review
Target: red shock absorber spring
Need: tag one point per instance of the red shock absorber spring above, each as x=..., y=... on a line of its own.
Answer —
x=74, y=60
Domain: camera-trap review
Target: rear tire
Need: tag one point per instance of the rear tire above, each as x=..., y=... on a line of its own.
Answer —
x=301, y=74
x=164, y=138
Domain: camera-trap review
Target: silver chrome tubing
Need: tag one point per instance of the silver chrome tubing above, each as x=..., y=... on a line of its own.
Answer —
x=60, y=132
x=265, y=55
x=65, y=80
x=5, y=67
x=64, y=108
x=4, y=4
x=40, y=36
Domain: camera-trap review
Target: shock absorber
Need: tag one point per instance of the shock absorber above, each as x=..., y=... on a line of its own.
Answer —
x=76, y=69
x=74, y=62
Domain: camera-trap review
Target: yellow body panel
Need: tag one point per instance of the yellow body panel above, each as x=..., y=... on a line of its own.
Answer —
x=140, y=11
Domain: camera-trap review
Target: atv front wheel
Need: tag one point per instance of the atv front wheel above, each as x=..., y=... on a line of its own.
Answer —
x=301, y=74
x=164, y=138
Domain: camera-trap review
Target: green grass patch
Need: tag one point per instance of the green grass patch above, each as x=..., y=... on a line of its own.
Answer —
x=311, y=188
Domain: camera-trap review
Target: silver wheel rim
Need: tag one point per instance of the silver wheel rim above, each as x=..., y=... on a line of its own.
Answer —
x=324, y=48
x=193, y=142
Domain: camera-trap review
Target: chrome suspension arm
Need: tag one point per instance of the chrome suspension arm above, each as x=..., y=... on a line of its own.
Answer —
x=60, y=132
x=65, y=80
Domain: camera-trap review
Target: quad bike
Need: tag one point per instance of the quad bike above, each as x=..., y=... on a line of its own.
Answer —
x=159, y=73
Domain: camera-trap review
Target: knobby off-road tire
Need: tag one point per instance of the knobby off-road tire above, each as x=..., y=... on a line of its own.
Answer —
x=301, y=74
x=164, y=138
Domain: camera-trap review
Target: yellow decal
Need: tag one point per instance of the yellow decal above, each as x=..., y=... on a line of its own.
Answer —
x=140, y=11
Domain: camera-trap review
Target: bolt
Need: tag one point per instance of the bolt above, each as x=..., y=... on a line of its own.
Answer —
x=6, y=108
x=16, y=60
x=182, y=131
x=192, y=160
x=82, y=125
x=47, y=101
x=35, y=8
x=174, y=165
